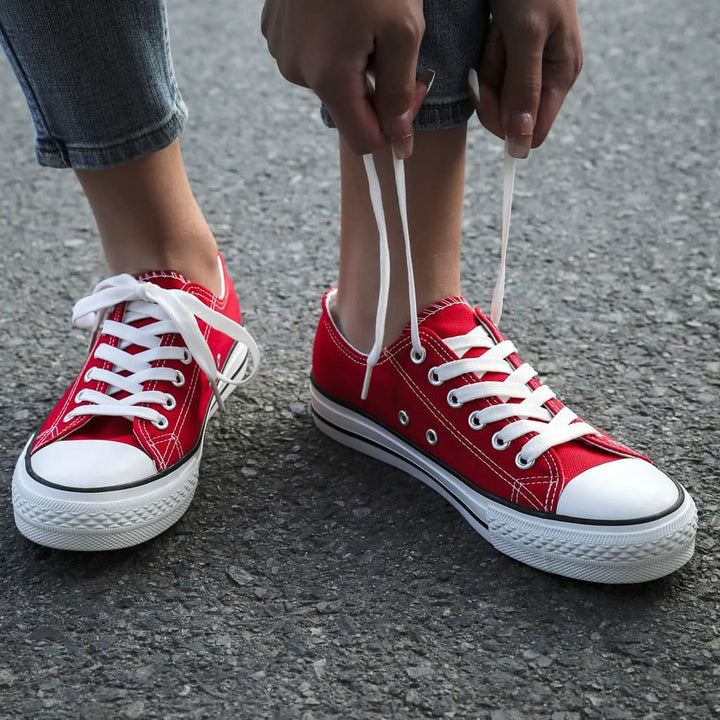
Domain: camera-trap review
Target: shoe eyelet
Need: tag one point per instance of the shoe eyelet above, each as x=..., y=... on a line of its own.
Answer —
x=161, y=423
x=68, y=418
x=452, y=400
x=433, y=377
x=179, y=380
x=170, y=403
x=522, y=463
x=186, y=359
x=404, y=418
x=474, y=422
x=431, y=437
x=88, y=376
x=78, y=397
x=498, y=443
x=418, y=356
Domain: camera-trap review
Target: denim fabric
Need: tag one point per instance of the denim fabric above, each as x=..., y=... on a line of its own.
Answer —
x=97, y=76
x=453, y=42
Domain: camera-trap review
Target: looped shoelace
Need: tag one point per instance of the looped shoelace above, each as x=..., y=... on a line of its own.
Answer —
x=174, y=311
x=534, y=416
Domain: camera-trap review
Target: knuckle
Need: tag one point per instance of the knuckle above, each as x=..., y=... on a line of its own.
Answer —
x=325, y=81
x=531, y=27
x=291, y=74
x=529, y=91
x=409, y=30
x=578, y=62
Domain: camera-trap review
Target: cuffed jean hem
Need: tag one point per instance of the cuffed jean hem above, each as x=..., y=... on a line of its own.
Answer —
x=431, y=116
x=54, y=153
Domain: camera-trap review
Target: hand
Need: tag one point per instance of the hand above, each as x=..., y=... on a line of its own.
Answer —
x=533, y=55
x=329, y=45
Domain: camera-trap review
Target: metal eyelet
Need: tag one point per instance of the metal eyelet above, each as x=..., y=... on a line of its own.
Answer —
x=68, y=418
x=179, y=380
x=498, y=443
x=433, y=377
x=473, y=421
x=404, y=418
x=161, y=423
x=522, y=463
x=431, y=437
x=186, y=359
x=170, y=403
x=88, y=376
x=78, y=397
x=418, y=356
x=452, y=400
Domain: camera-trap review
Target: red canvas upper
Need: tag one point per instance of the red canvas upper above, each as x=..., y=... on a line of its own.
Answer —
x=186, y=420
x=400, y=384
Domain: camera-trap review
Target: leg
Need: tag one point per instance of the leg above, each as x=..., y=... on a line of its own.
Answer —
x=104, y=101
x=117, y=460
x=435, y=181
x=450, y=402
x=148, y=218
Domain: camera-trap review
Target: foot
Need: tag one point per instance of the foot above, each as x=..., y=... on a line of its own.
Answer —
x=117, y=460
x=470, y=419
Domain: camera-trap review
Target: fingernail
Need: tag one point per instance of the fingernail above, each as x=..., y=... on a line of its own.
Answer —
x=398, y=130
x=519, y=135
x=403, y=147
x=427, y=78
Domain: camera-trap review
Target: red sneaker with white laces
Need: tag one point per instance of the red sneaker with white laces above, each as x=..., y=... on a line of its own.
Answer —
x=465, y=415
x=117, y=460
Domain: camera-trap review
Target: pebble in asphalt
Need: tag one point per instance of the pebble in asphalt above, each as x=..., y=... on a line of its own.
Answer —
x=309, y=582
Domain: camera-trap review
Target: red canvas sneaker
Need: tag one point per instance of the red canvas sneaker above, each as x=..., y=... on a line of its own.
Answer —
x=465, y=415
x=117, y=460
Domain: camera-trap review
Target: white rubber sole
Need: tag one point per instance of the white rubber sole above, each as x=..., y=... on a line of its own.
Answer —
x=114, y=519
x=628, y=553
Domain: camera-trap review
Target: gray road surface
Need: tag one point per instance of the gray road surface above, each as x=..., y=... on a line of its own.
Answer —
x=310, y=582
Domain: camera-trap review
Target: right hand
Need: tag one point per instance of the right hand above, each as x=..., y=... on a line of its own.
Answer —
x=329, y=45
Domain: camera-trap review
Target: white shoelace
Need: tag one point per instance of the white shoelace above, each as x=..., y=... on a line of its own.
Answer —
x=534, y=416
x=174, y=311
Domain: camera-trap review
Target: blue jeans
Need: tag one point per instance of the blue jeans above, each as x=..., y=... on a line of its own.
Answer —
x=98, y=77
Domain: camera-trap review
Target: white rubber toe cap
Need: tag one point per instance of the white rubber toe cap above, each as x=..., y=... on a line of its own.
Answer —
x=625, y=489
x=91, y=464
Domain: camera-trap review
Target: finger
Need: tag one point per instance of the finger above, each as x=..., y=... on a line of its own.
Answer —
x=395, y=63
x=521, y=92
x=347, y=98
x=551, y=101
x=486, y=94
x=422, y=88
x=561, y=66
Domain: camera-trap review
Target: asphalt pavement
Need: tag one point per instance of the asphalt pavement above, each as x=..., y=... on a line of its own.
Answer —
x=310, y=582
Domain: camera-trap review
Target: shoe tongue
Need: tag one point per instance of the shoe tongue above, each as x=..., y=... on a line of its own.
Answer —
x=453, y=317
x=450, y=318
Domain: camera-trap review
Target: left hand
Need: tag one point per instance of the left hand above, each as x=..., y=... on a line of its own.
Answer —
x=533, y=55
